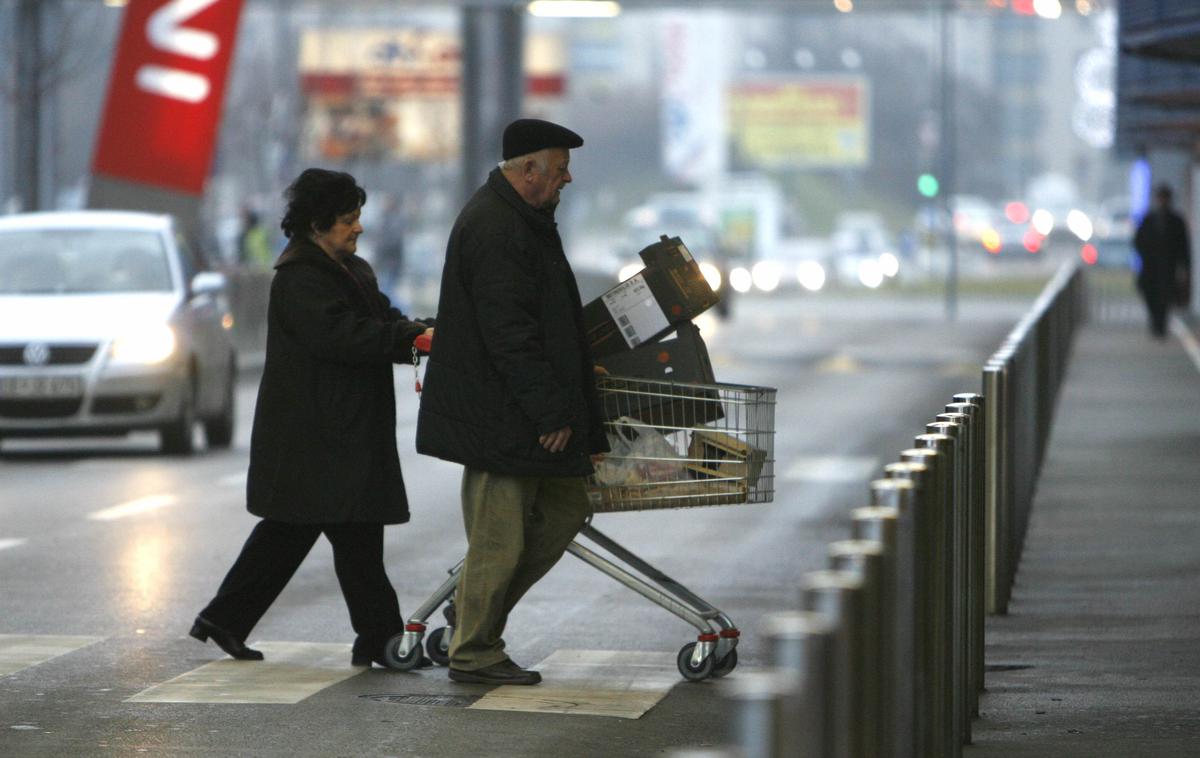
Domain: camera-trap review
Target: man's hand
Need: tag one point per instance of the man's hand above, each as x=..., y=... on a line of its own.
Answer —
x=556, y=442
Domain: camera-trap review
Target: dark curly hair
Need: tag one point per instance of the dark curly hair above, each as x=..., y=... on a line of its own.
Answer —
x=317, y=198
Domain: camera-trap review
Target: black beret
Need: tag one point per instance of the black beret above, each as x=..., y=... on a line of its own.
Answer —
x=528, y=135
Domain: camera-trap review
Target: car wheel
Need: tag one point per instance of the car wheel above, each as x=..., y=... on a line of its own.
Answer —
x=218, y=430
x=176, y=438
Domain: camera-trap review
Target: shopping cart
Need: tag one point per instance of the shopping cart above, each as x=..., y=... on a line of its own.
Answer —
x=674, y=445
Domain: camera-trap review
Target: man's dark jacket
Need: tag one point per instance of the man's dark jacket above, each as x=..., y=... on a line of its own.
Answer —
x=323, y=447
x=1163, y=245
x=510, y=359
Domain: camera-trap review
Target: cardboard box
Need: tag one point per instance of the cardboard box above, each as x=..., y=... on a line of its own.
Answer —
x=720, y=456
x=681, y=357
x=660, y=495
x=671, y=290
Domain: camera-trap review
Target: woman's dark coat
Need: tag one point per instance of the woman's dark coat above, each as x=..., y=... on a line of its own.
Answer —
x=510, y=359
x=323, y=447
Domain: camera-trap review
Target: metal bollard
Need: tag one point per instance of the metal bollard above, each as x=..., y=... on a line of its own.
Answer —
x=879, y=525
x=909, y=493
x=761, y=712
x=998, y=475
x=943, y=437
x=973, y=405
x=958, y=425
x=932, y=619
x=802, y=642
x=864, y=560
x=838, y=596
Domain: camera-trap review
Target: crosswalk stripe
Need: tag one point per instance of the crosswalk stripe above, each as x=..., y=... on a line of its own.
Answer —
x=839, y=363
x=20, y=651
x=11, y=542
x=133, y=507
x=620, y=683
x=831, y=468
x=291, y=672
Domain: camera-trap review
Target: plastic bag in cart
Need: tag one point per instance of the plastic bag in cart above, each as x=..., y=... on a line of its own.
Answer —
x=639, y=453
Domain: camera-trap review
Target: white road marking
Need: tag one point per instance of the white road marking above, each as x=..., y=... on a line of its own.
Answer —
x=839, y=363
x=1180, y=330
x=233, y=480
x=133, y=507
x=620, y=683
x=20, y=651
x=11, y=542
x=291, y=672
x=832, y=469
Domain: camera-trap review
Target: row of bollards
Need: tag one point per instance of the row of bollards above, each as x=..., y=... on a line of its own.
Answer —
x=885, y=656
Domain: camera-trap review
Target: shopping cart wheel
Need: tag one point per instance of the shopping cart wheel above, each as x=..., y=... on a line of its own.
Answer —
x=690, y=672
x=393, y=659
x=726, y=664
x=438, y=646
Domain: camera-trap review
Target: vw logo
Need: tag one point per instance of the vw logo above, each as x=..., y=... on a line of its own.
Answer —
x=36, y=354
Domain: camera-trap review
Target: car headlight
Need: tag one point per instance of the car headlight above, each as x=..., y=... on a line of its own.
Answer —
x=712, y=275
x=766, y=275
x=889, y=264
x=740, y=279
x=811, y=275
x=148, y=345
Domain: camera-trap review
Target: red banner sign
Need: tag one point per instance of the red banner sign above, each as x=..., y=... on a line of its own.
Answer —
x=164, y=99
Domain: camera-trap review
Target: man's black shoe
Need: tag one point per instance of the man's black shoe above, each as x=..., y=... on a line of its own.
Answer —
x=504, y=672
x=203, y=629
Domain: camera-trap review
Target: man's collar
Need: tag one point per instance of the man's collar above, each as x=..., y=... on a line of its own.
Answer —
x=499, y=183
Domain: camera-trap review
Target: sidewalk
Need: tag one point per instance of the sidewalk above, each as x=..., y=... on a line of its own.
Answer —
x=1099, y=654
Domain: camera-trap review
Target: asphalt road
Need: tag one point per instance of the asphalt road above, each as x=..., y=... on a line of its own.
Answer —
x=108, y=542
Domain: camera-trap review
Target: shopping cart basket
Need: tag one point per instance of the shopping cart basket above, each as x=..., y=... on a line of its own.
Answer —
x=674, y=445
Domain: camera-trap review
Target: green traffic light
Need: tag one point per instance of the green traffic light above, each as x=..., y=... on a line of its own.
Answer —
x=927, y=185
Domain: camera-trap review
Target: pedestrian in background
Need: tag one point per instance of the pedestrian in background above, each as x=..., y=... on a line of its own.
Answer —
x=254, y=249
x=510, y=393
x=1164, y=278
x=323, y=447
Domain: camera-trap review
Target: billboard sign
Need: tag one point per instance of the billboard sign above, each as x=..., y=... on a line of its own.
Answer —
x=160, y=121
x=800, y=122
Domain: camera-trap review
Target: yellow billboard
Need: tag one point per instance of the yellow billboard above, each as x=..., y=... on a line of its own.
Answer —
x=800, y=122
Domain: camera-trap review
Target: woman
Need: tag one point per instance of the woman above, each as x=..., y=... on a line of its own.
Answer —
x=323, y=447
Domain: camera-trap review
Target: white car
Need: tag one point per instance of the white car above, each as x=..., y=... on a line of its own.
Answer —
x=109, y=323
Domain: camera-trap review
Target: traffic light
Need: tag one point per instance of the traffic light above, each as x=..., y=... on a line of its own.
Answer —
x=927, y=185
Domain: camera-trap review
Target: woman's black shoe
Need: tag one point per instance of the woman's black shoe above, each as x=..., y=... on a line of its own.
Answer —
x=203, y=629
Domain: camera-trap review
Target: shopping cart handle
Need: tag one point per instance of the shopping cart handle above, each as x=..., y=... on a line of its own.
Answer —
x=423, y=343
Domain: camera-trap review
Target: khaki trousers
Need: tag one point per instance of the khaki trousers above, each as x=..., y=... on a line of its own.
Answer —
x=517, y=528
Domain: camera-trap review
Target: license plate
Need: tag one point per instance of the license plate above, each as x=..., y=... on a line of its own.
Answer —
x=40, y=386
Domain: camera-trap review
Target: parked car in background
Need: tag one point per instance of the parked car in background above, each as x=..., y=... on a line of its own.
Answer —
x=111, y=322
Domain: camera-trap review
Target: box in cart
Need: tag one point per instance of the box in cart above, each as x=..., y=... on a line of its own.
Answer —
x=659, y=495
x=678, y=357
x=669, y=291
x=681, y=357
x=721, y=456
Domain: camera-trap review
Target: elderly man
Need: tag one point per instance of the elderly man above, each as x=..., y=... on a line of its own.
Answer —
x=509, y=393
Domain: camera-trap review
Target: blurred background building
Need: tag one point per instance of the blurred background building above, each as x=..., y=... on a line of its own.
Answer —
x=765, y=122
